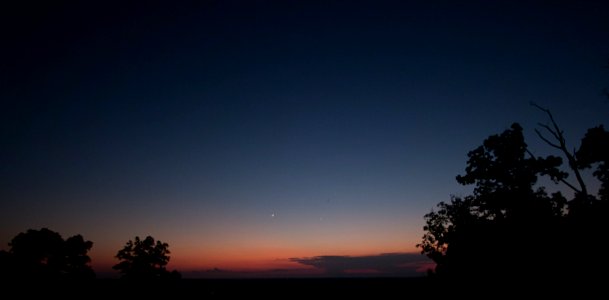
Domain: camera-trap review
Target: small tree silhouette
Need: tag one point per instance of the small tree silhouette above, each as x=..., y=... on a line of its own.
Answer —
x=76, y=261
x=144, y=259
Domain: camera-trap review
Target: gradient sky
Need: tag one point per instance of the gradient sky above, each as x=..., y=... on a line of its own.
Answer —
x=268, y=136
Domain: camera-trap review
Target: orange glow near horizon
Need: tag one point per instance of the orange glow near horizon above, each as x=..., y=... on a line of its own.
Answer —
x=245, y=259
x=244, y=242
x=255, y=245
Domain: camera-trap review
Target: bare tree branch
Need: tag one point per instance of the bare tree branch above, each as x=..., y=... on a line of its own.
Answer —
x=554, y=133
x=557, y=133
x=576, y=190
x=546, y=140
x=562, y=146
x=547, y=111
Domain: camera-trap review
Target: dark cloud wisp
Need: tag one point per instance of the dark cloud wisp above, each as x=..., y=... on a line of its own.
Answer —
x=387, y=264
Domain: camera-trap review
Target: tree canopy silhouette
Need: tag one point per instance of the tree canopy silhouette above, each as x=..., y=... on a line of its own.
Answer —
x=144, y=259
x=594, y=149
x=509, y=225
x=44, y=254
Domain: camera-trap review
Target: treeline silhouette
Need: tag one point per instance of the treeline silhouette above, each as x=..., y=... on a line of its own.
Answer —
x=510, y=228
x=44, y=255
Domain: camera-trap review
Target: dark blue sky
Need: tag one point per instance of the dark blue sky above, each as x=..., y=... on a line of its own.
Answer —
x=348, y=120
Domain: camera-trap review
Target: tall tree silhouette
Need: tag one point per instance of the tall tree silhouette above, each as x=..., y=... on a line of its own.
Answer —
x=144, y=259
x=44, y=254
x=504, y=224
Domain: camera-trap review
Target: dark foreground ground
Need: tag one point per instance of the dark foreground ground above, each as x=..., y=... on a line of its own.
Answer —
x=298, y=288
x=294, y=287
x=280, y=288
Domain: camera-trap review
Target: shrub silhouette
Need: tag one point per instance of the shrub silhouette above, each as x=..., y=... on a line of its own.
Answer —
x=44, y=254
x=144, y=260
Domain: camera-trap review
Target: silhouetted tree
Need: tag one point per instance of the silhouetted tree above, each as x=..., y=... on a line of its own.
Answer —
x=43, y=254
x=506, y=222
x=77, y=261
x=510, y=226
x=145, y=259
x=594, y=149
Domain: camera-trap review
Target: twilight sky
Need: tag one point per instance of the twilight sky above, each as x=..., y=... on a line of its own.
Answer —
x=267, y=136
